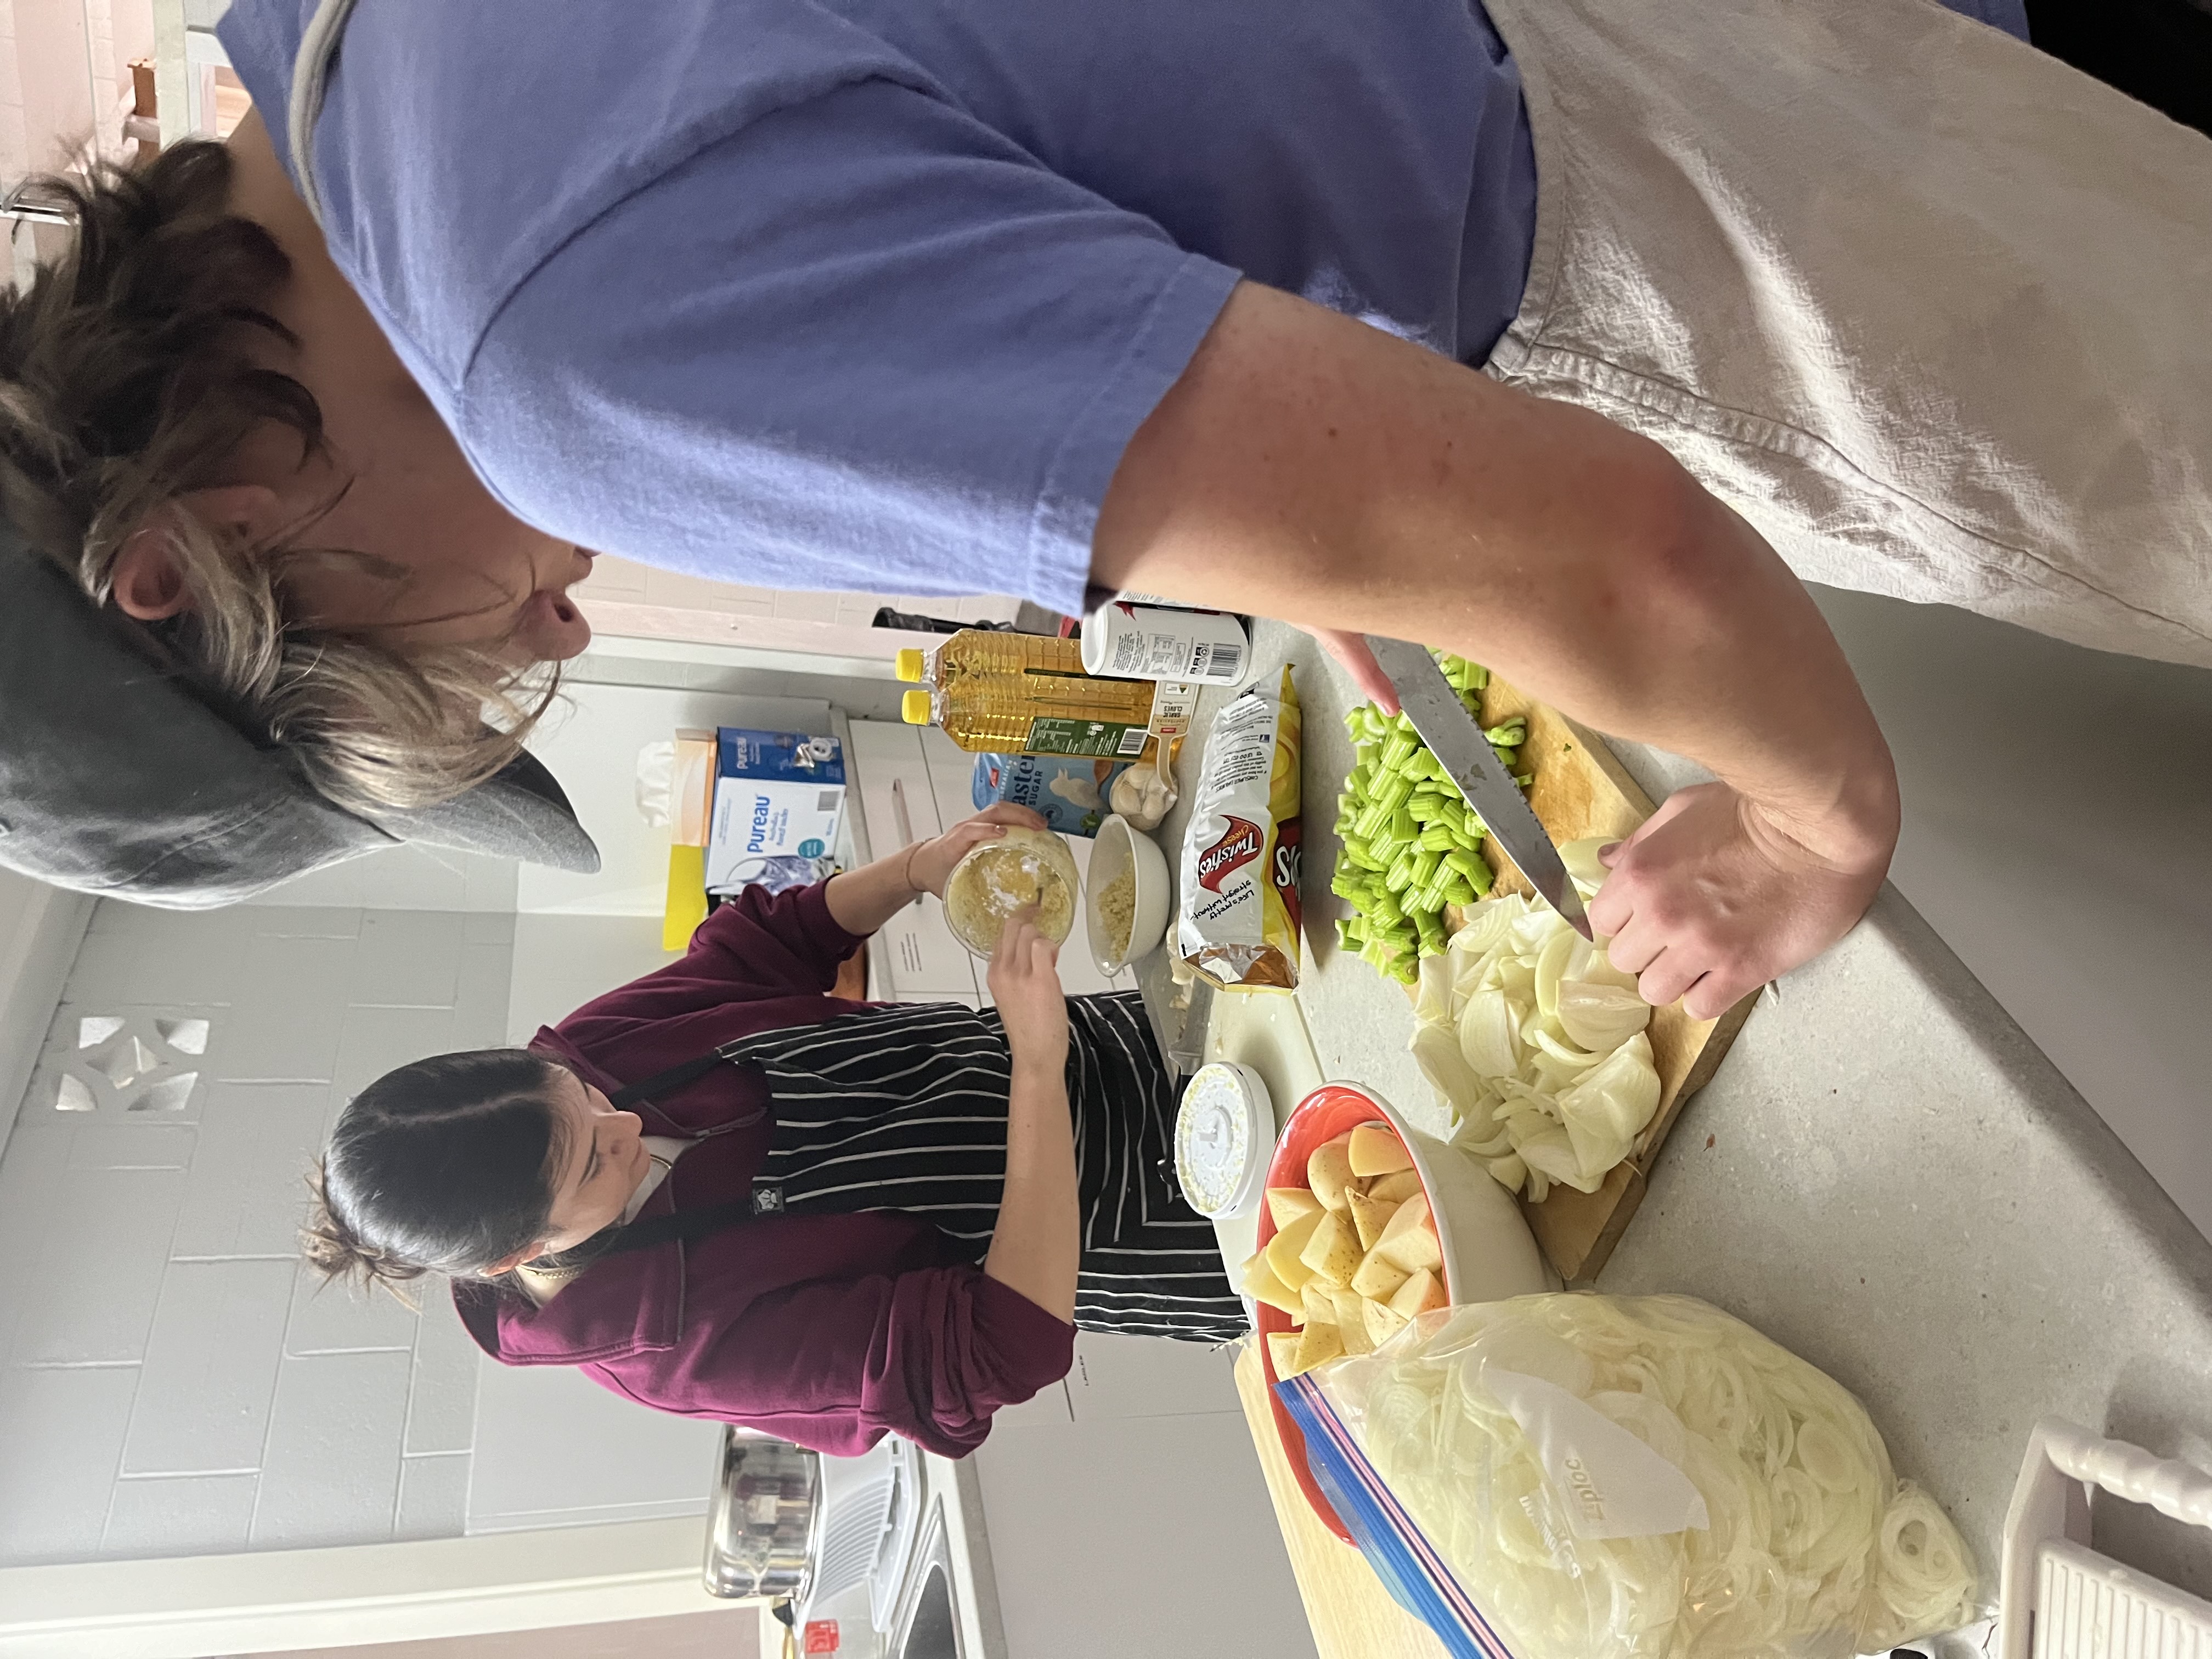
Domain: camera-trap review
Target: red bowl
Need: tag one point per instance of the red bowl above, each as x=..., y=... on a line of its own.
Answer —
x=1326, y=1113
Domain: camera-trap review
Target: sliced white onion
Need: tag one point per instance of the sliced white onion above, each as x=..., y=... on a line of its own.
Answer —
x=1436, y=1052
x=1520, y=1026
x=1580, y=858
x=1785, y=1563
x=1604, y=1112
x=1550, y=963
x=1433, y=1002
x=1489, y=1034
x=1601, y=1017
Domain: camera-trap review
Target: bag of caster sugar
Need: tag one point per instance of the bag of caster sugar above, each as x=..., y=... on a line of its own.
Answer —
x=1237, y=903
x=1599, y=1477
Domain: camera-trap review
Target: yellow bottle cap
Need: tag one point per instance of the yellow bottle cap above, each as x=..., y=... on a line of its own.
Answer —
x=908, y=664
x=915, y=706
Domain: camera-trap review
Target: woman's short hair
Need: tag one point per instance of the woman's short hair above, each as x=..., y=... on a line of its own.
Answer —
x=444, y=1166
x=131, y=368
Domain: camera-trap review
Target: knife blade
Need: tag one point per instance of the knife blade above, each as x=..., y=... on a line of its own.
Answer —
x=1456, y=739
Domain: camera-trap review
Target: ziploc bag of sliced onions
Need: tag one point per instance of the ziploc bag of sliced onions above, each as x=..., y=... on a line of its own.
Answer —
x=1592, y=1477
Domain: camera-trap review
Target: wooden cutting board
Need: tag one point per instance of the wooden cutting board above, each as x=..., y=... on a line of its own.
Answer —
x=1578, y=789
x=1352, y=1614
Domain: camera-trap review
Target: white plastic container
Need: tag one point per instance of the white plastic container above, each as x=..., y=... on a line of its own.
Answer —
x=1145, y=643
x=1225, y=1135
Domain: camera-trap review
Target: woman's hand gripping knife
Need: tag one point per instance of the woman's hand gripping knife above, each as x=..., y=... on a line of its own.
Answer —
x=1310, y=467
x=1035, y=1247
x=861, y=901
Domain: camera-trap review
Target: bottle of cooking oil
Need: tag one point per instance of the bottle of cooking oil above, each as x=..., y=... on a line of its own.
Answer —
x=998, y=693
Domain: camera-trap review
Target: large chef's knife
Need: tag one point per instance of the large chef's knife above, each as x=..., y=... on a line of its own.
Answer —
x=1456, y=739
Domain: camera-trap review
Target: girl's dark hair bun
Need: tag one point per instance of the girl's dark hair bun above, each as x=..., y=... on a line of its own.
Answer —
x=444, y=1166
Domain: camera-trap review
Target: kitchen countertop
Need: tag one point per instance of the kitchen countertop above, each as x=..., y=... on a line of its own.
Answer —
x=1885, y=1176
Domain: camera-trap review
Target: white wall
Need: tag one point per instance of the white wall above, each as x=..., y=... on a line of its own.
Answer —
x=172, y=1383
x=592, y=744
x=407, y=876
x=563, y=962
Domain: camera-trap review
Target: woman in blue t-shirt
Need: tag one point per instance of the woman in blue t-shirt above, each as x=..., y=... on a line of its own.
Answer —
x=937, y=295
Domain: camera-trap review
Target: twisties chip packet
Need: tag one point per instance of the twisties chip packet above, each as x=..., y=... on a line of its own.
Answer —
x=1238, y=921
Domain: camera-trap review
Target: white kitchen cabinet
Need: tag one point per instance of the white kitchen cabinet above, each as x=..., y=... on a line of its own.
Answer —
x=1149, y=1535
x=914, y=957
x=1147, y=1376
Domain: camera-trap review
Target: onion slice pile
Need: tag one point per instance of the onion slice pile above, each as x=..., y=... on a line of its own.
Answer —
x=1535, y=1041
x=1809, y=1543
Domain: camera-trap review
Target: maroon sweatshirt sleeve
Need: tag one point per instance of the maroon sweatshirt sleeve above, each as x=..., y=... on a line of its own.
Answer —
x=834, y=1363
x=781, y=942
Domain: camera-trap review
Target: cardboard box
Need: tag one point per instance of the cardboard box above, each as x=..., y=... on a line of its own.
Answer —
x=778, y=799
x=691, y=788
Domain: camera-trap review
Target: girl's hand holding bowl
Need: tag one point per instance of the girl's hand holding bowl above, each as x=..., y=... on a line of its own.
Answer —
x=931, y=860
x=1025, y=980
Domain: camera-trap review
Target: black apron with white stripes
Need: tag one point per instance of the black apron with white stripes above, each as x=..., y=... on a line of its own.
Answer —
x=904, y=1108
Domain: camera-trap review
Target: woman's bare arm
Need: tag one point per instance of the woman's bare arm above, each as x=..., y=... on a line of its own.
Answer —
x=1310, y=467
x=1036, y=1244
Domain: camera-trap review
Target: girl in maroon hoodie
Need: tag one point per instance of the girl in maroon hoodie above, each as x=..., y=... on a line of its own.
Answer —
x=725, y=1192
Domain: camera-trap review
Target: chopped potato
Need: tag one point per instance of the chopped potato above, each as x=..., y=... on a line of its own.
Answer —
x=1409, y=1240
x=1418, y=1295
x=1378, y=1276
x=1383, y=1322
x=1287, y=1204
x=1283, y=1251
x=1333, y=1253
x=1328, y=1169
x=1369, y=1218
x=1352, y=1262
x=1260, y=1283
x=1375, y=1149
x=1393, y=1188
x=1319, y=1304
x=1317, y=1344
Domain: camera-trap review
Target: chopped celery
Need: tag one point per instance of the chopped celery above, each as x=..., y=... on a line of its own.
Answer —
x=1428, y=805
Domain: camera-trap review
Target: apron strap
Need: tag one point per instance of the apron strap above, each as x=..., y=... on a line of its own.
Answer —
x=683, y=1225
x=660, y=1083
x=692, y=1224
x=319, y=43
